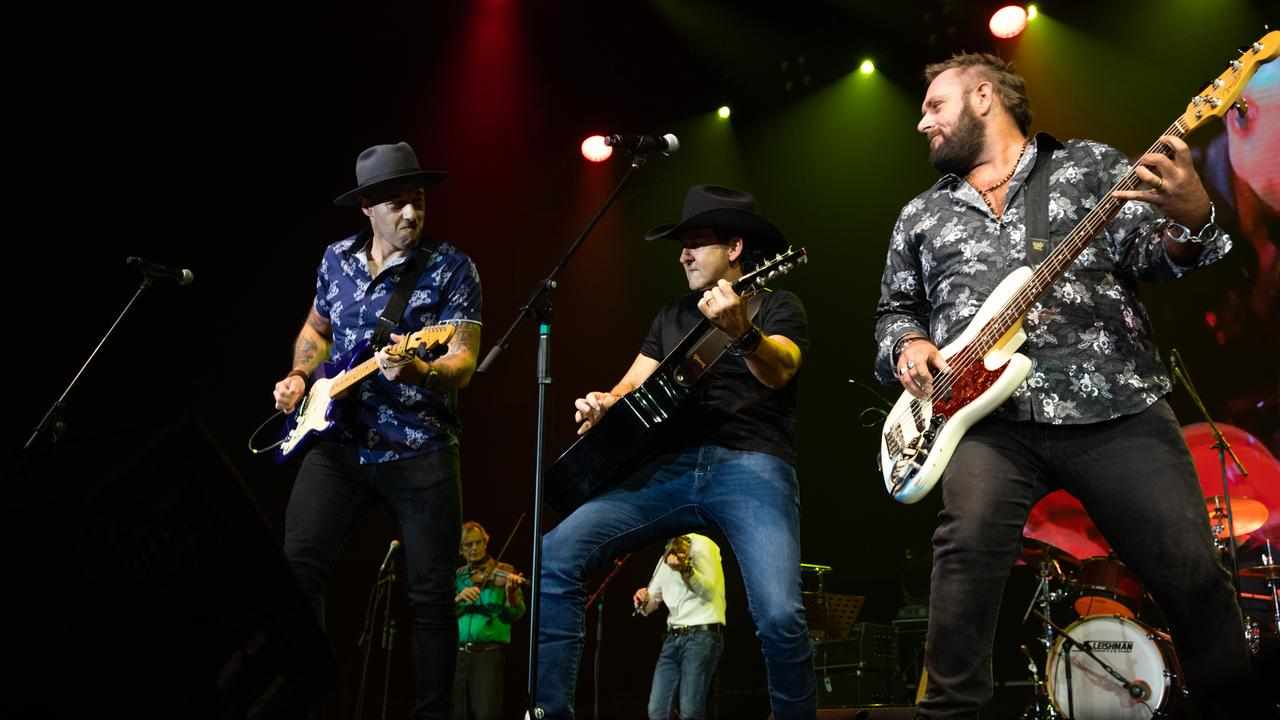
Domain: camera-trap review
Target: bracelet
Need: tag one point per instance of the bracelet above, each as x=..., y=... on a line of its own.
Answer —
x=300, y=373
x=902, y=344
x=1210, y=229
x=747, y=344
x=1181, y=234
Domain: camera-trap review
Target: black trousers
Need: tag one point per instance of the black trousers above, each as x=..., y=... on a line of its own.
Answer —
x=478, y=684
x=332, y=490
x=1135, y=477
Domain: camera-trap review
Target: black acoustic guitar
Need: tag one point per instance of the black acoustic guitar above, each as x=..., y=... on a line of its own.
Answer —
x=627, y=433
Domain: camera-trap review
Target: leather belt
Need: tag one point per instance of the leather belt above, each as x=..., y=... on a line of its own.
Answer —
x=686, y=629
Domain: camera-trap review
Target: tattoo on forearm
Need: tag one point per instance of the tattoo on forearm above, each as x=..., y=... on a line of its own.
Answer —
x=305, y=353
x=465, y=336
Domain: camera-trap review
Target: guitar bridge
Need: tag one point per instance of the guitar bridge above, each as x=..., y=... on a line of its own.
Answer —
x=909, y=457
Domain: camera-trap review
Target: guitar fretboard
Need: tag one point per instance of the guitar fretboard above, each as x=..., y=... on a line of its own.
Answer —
x=1064, y=254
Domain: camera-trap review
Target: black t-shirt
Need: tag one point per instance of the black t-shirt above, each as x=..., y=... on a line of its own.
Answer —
x=729, y=406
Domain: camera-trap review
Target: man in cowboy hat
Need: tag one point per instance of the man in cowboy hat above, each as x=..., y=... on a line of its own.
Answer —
x=400, y=446
x=727, y=466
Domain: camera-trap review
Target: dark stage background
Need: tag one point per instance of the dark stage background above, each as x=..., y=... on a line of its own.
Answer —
x=215, y=139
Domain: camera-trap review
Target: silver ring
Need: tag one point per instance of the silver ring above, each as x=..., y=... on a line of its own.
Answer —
x=910, y=364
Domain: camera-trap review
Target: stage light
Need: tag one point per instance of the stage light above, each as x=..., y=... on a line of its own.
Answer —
x=1033, y=12
x=1008, y=21
x=867, y=67
x=594, y=149
x=724, y=112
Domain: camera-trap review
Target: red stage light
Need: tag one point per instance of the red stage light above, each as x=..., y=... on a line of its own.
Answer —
x=594, y=149
x=1008, y=21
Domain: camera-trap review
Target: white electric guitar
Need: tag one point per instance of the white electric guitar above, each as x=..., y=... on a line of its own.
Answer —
x=920, y=435
x=318, y=414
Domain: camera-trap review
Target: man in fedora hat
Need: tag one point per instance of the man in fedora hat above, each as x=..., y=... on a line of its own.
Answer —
x=399, y=448
x=727, y=466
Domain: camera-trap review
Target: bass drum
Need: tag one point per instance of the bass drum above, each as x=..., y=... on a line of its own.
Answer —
x=1141, y=654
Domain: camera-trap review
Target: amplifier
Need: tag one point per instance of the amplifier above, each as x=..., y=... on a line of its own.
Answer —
x=845, y=687
x=869, y=646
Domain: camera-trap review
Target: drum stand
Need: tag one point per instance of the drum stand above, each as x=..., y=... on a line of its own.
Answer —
x=1041, y=708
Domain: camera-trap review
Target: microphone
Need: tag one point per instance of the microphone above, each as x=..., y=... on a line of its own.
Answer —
x=391, y=551
x=181, y=276
x=665, y=144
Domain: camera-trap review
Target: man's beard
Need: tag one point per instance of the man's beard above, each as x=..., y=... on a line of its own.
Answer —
x=959, y=153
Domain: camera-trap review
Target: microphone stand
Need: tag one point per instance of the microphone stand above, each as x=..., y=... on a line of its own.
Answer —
x=388, y=636
x=539, y=309
x=598, y=595
x=1136, y=691
x=1180, y=373
x=377, y=593
x=52, y=420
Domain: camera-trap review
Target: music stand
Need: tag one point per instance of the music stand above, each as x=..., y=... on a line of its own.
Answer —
x=830, y=615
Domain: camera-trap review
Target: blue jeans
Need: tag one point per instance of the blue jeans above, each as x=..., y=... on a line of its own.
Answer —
x=751, y=498
x=333, y=490
x=686, y=664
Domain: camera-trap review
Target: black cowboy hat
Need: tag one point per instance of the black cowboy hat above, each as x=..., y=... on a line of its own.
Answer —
x=383, y=170
x=713, y=206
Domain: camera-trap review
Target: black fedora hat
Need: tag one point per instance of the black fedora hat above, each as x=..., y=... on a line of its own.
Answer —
x=713, y=206
x=385, y=169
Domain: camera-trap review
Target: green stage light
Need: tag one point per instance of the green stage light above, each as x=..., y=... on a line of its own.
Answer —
x=867, y=67
x=1033, y=12
x=724, y=112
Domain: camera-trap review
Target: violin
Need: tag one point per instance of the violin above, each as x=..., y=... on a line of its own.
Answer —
x=481, y=578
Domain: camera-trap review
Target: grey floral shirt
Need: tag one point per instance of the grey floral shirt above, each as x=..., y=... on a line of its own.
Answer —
x=1089, y=337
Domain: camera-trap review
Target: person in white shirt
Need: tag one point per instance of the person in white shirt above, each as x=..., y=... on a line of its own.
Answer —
x=689, y=580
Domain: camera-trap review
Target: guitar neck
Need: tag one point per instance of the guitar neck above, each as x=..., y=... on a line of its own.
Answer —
x=353, y=376
x=1048, y=272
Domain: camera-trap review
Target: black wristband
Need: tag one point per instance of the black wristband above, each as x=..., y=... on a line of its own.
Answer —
x=302, y=374
x=748, y=343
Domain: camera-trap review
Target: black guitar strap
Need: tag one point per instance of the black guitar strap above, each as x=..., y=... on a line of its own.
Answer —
x=1036, y=200
x=399, y=299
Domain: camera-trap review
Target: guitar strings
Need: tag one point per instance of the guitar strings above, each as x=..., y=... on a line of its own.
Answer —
x=1099, y=216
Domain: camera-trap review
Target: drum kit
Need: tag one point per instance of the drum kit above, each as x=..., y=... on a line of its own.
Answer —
x=1115, y=660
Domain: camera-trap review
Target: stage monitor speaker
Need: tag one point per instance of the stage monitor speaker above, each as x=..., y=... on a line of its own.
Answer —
x=147, y=584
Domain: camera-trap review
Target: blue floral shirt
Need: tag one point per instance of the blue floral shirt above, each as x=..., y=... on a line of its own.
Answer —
x=394, y=420
x=1089, y=338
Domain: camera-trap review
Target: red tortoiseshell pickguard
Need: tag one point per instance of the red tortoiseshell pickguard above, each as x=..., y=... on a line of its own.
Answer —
x=965, y=388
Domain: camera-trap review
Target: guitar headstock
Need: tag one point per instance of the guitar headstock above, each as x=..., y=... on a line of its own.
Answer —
x=422, y=342
x=780, y=264
x=1221, y=95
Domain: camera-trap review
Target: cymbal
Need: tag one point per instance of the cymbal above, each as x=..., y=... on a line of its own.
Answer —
x=1035, y=551
x=1266, y=572
x=1261, y=484
x=1061, y=521
x=1248, y=515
